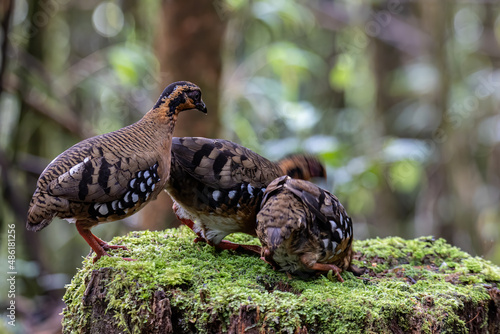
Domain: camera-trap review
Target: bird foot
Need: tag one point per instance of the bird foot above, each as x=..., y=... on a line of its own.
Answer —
x=105, y=246
x=200, y=239
x=188, y=222
x=108, y=247
x=98, y=256
x=269, y=263
x=97, y=245
x=228, y=245
x=253, y=249
x=325, y=267
x=268, y=258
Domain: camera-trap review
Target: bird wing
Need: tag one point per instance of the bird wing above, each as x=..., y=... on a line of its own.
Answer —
x=330, y=215
x=95, y=173
x=282, y=213
x=311, y=195
x=220, y=163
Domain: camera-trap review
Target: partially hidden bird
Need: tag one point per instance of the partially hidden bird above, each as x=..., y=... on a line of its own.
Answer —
x=304, y=229
x=217, y=186
x=112, y=176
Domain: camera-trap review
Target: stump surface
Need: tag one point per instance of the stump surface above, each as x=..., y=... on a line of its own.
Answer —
x=177, y=286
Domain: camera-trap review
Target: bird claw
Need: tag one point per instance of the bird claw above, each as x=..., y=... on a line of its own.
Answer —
x=104, y=247
x=269, y=263
x=326, y=267
x=268, y=258
x=330, y=273
x=228, y=245
x=224, y=244
x=200, y=239
x=106, y=254
x=339, y=277
x=98, y=256
x=108, y=247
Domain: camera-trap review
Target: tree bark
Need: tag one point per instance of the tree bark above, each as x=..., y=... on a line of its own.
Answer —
x=410, y=286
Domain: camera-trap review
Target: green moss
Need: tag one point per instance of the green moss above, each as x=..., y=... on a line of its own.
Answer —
x=422, y=280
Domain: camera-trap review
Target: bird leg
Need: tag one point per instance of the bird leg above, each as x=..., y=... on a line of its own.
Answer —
x=224, y=244
x=325, y=267
x=107, y=246
x=267, y=257
x=98, y=246
x=188, y=222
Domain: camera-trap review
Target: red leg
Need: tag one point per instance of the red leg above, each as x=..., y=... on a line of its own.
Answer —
x=324, y=267
x=268, y=258
x=188, y=222
x=107, y=246
x=201, y=239
x=90, y=239
x=97, y=245
x=224, y=244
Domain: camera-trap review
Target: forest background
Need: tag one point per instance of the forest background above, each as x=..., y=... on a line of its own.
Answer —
x=399, y=98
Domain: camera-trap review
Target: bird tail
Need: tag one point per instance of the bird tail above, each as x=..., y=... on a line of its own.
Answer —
x=302, y=166
x=39, y=213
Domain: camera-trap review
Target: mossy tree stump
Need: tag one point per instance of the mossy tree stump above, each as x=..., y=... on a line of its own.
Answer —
x=177, y=286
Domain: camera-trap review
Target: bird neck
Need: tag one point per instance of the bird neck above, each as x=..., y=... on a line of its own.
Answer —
x=161, y=122
x=165, y=114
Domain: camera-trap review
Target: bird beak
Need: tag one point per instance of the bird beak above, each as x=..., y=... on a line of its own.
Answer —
x=201, y=107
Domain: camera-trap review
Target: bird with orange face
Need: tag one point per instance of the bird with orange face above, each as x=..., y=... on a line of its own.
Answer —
x=114, y=175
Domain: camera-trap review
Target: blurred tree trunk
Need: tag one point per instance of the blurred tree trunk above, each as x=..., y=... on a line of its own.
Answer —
x=447, y=206
x=29, y=124
x=489, y=218
x=389, y=215
x=189, y=42
x=427, y=216
x=30, y=136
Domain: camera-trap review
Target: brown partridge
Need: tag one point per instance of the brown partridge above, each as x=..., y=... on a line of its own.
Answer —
x=114, y=175
x=217, y=186
x=304, y=229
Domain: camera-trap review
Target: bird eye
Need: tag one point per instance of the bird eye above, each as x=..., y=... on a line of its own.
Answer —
x=195, y=95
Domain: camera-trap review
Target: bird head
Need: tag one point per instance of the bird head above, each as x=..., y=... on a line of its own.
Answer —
x=180, y=96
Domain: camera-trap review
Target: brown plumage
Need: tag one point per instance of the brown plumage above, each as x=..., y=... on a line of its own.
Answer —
x=219, y=185
x=112, y=176
x=304, y=229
